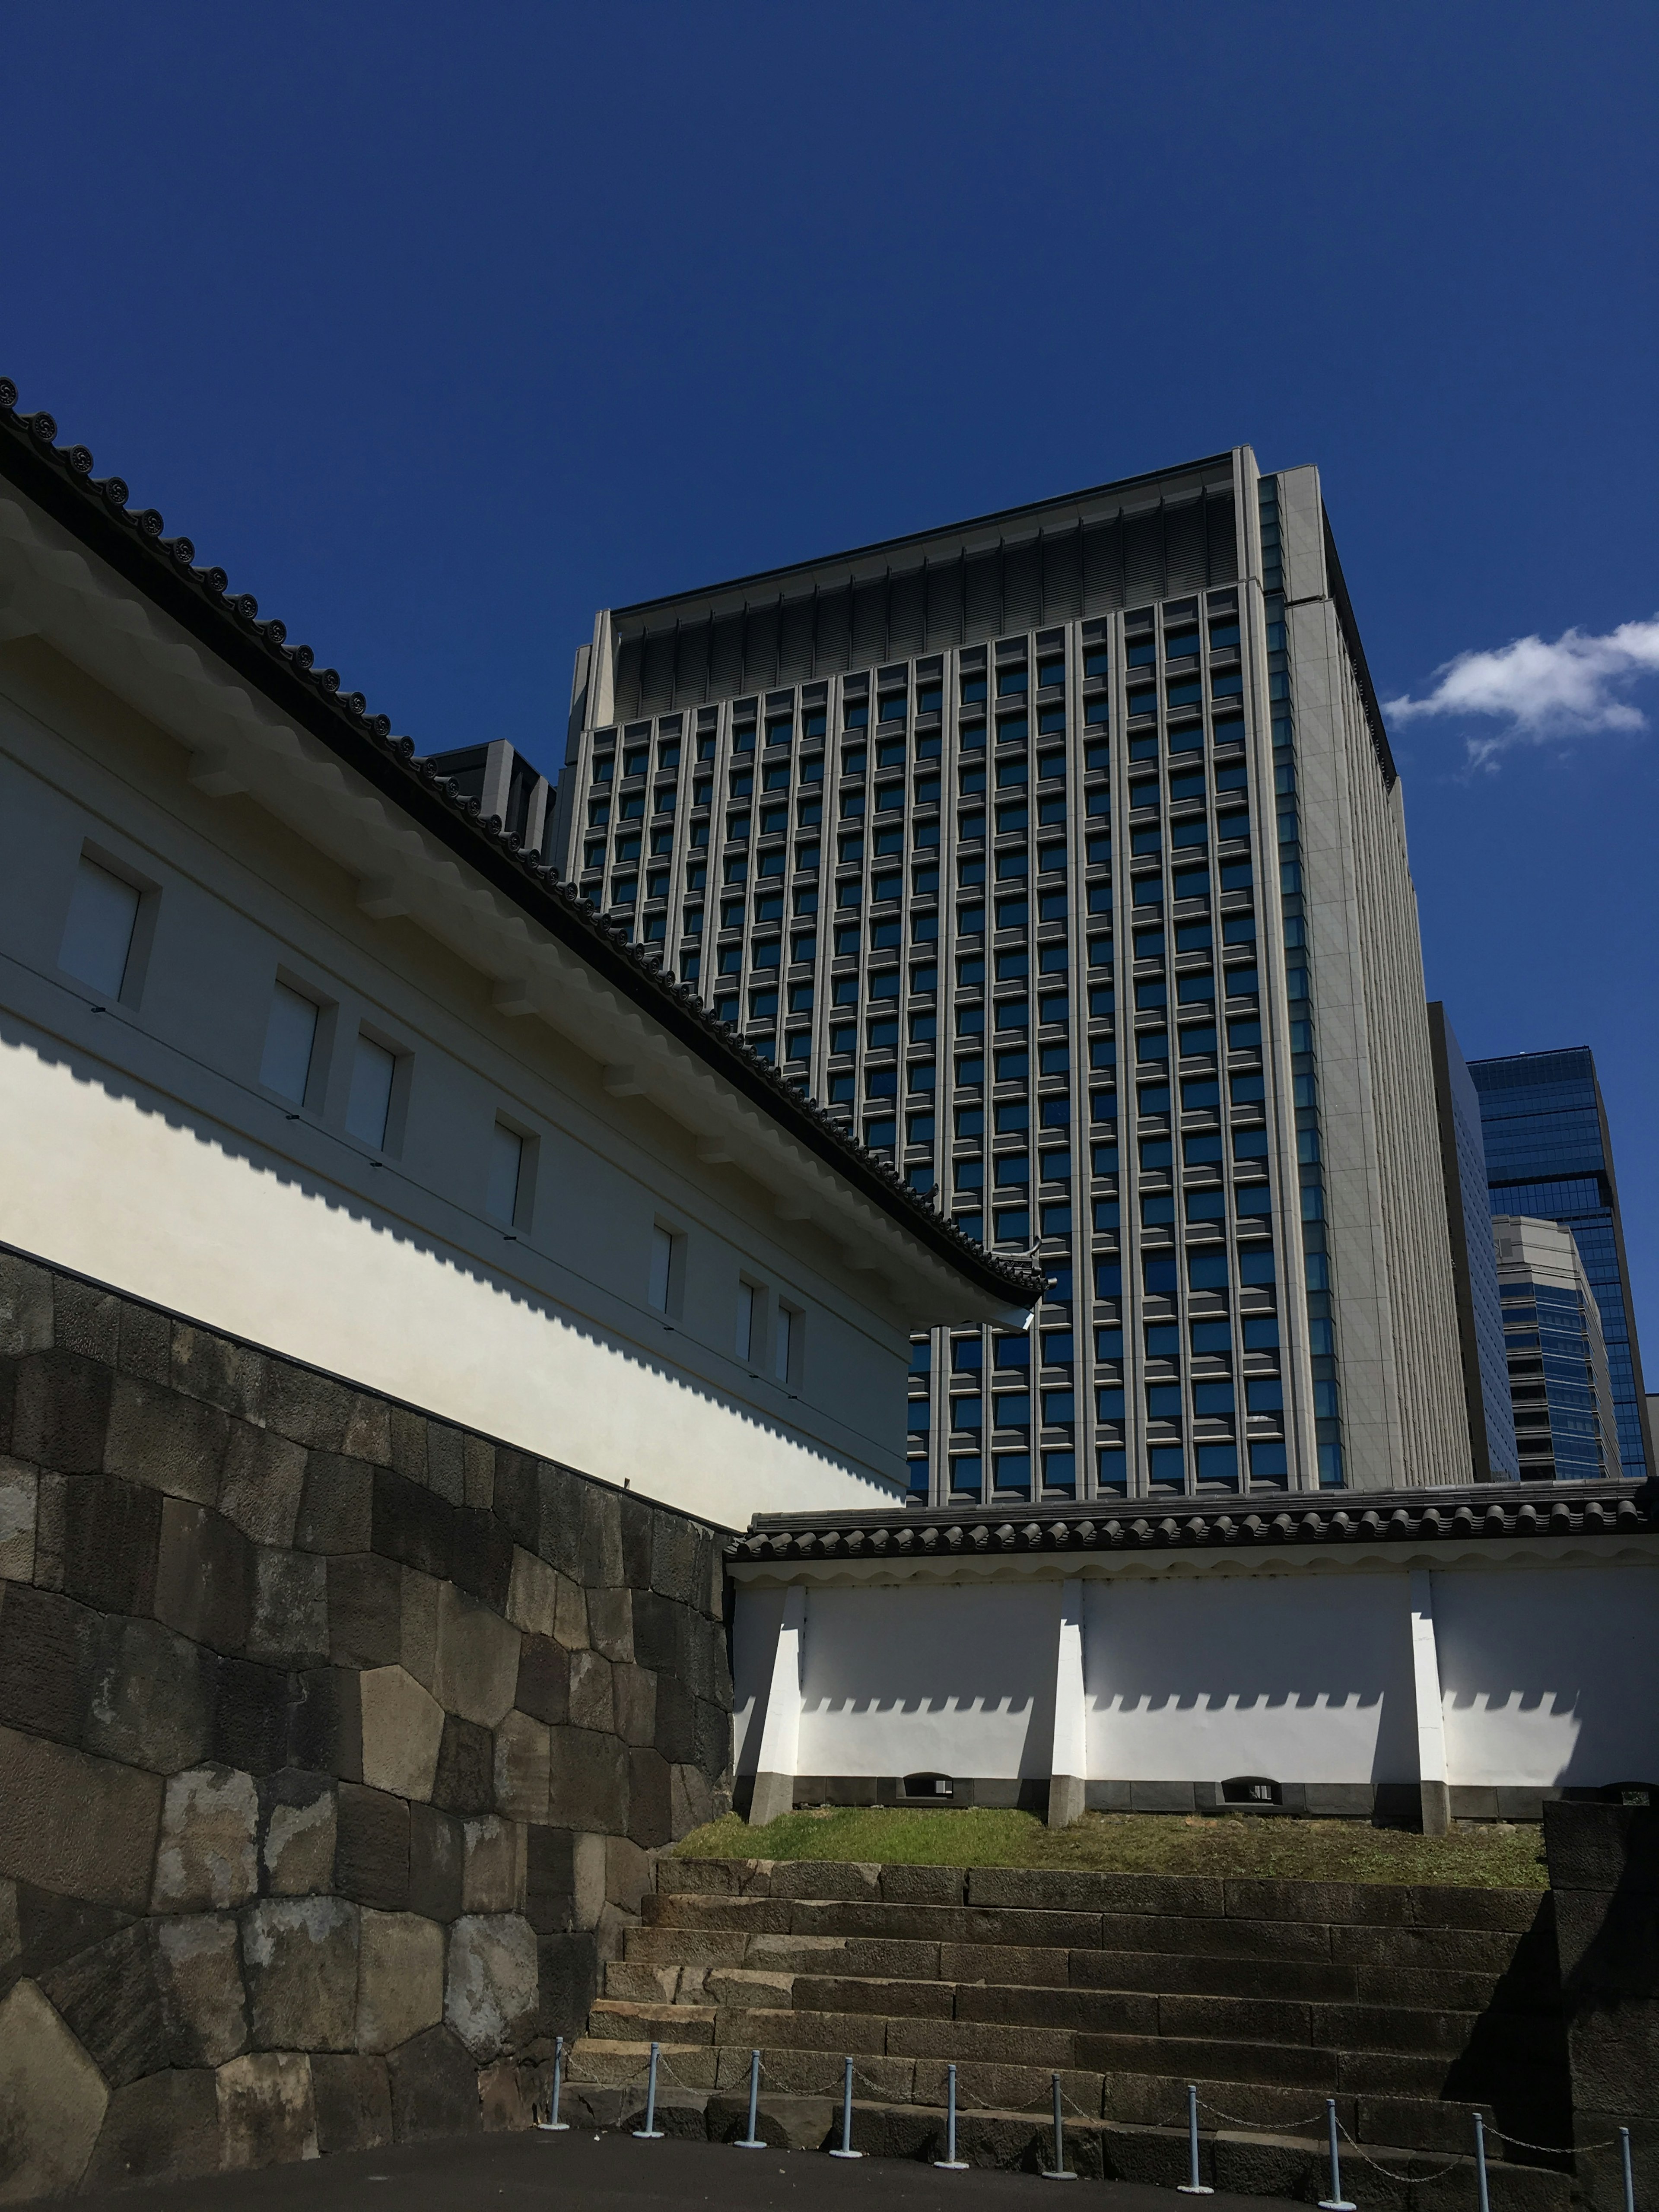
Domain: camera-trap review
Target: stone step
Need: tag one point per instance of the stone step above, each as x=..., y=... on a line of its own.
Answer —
x=617, y=2019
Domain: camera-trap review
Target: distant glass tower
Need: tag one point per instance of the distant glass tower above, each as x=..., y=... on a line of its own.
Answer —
x=1061, y=853
x=1475, y=1263
x=1558, y=1359
x=1549, y=1156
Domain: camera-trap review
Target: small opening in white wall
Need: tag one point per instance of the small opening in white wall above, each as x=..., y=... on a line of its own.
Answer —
x=290, y=1043
x=370, y=1103
x=783, y=1341
x=98, y=937
x=661, y=1289
x=506, y=1168
x=746, y=1298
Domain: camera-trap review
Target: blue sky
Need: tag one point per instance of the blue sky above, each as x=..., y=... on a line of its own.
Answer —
x=440, y=329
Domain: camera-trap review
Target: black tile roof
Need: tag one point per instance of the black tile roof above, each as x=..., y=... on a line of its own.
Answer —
x=1328, y=1518
x=59, y=479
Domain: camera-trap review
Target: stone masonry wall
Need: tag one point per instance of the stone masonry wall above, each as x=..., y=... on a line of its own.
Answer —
x=334, y=1744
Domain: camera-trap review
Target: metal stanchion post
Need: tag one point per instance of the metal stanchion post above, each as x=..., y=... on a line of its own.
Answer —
x=1193, y=2186
x=1059, y=2170
x=951, y=2163
x=651, y=2132
x=1336, y=2202
x=751, y=2141
x=1624, y=2159
x=847, y=2149
x=553, y=2124
x=1481, y=2192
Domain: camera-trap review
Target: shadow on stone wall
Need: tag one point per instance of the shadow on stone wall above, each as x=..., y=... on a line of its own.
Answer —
x=334, y=1742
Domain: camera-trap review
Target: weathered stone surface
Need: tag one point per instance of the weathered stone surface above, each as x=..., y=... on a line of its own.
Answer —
x=550, y=1896
x=419, y=1651
x=482, y=1562
x=403, y=1730
x=19, y=1492
x=85, y=1319
x=592, y=1705
x=261, y=1485
x=144, y=1343
x=446, y=1461
x=570, y=1615
x=365, y=1610
x=410, y=1524
x=313, y=1409
x=400, y=1979
x=436, y=1854
x=253, y=1715
x=507, y=2095
x=569, y=1967
x=544, y=1680
x=435, y=2089
x=352, y=2098
x=629, y=1876
x=86, y=1826
x=47, y=1649
x=299, y=1959
x=326, y=1730
x=50, y=1518
x=61, y=1411
x=201, y=1968
x=610, y=1622
x=289, y=1626
x=517, y=1502
x=11, y=1936
x=297, y=1833
x=676, y=1733
x=152, y=1697
x=589, y=1868
x=480, y=1472
x=466, y=1780
x=521, y=1767
x=174, y=1444
x=266, y=2115
x=650, y=1819
x=674, y=1560
x=165, y=2128
x=588, y=1783
x=493, y=1871
x=26, y=1307
x=336, y=1505
x=51, y=1929
x=712, y=1750
x=371, y=1854
x=215, y=1369
x=634, y=1694
x=204, y=1577
x=52, y=2100
x=114, y=1998
x=478, y=1667
x=533, y=1595
x=491, y=1985
x=691, y=1801
x=208, y=1854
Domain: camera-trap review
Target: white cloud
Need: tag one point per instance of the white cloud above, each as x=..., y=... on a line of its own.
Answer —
x=1568, y=688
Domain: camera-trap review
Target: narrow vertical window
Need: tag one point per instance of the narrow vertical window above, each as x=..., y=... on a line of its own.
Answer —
x=98, y=936
x=746, y=1320
x=783, y=1341
x=506, y=1170
x=370, y=1102
x=662, y=1267
x=290, y=1043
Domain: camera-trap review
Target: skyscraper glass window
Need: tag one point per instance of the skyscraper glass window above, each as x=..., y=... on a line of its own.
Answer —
x=1046, y=775
x=1549, y=1156
x=1556, y=1354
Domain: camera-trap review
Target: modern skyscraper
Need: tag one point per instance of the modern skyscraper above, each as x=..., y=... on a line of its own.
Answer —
x=1557, y=1359
x=1062, y=853
x=1549, y=1156
x=1474, y=1262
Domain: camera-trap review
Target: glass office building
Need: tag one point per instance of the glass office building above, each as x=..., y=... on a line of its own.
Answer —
x=1474, y=1261
x=1061, y=853
x=1548, y=1155
x=1560, y=1383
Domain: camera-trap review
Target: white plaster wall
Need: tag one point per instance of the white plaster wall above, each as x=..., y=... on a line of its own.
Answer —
x=914, y=1680
x=1303, y=1679
x=137, y=1145
x=1547, y=1677
x=755, y=1620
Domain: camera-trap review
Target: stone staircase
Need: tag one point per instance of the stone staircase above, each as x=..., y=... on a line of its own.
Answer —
x=1411, y=2006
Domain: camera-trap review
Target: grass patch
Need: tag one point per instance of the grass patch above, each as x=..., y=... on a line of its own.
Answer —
x=1493, y=1856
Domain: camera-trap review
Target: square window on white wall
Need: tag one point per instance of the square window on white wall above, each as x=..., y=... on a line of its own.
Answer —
x=369, y=1106
x=506, y=1173
x=98, y=937
x=290, y=1043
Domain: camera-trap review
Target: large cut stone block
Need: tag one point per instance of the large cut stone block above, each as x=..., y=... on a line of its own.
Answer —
x=477, y=1670
x=152, y=1701
x=352, y=2100
x=47, y=1647
x=266, y=2116
x=533, y=1595
x=204, y=1577
x=419, y=1642
x=299, y=1956
x=51, y=1929
x=588, y=1786
x=313, y=1409
x=203, y=1969
x=466, y=1768
x=492, y=1870
x=482, y=1561
x=114, y=1997
x=253, y=1717
x=19, y=1491
x=569, y=1982
x=650, y=1819
x=261, y=1486
x=61, y=1411
x=172, y=1443
x=570, y=1615
x=209, y=1828
x=336, y=1505
x=403, y=1730
x=491, y=1987
x=326, y=1734
x=634, y=1692
x=674, y=1560
x=479, y=1465
x=110, y=1540
x=11, y=1936
x=691, y=1802
x=592, y=1705
x=165, y=2128
x=400, y=1979
x=676, y=1733
x=84, y=1319
x=611, y=1623
x=544, y=1680
x=435, y=2089
x=217, y=1371
x=26, y=1307
x=82, y=1826
x=521, y=1767
x=516, y=1498
x=52, y=2100
x=550, y=1899
x=365, y=1611
x=290, y=1626
x=411, y=1524
x=371, y=1856
x=436, y=1852
x=296, y=1851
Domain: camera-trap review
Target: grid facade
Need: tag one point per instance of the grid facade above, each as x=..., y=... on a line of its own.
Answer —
x=1027, y=911
x=1558, y=1377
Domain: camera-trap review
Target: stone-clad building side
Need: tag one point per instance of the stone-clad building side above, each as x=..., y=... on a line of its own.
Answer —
x=334, y=1742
